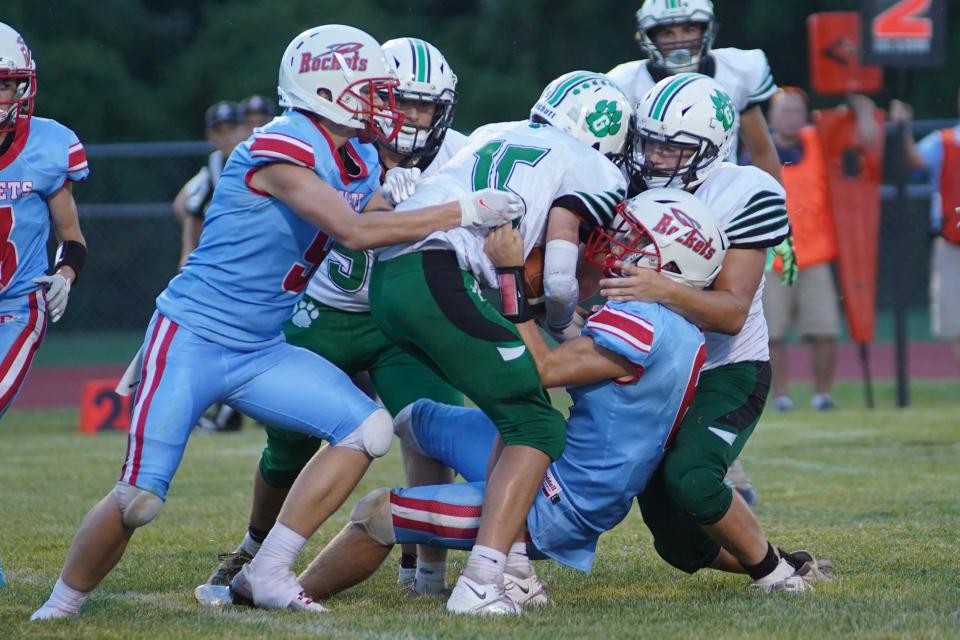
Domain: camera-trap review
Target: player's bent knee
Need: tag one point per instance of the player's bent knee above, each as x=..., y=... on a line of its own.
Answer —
x=372, y=514
x=373, y=436
x=700, y=492
x=137, y=507
x=403, y=425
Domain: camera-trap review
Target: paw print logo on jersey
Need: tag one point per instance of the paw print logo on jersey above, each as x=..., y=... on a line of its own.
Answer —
x=305, y=313
x=605, y=121
x=726, y=114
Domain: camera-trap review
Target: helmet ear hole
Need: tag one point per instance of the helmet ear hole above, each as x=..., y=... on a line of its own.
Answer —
x=326, y=94
x=671, y=267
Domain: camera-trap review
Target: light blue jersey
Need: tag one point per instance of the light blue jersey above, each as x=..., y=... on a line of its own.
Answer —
x=256, y=254
x=42, y=157
x=617, y=434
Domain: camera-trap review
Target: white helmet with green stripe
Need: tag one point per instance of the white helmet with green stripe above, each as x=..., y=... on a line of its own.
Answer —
x=425, y=76
x=683, y=55
x=686, y=116
x=591, y=108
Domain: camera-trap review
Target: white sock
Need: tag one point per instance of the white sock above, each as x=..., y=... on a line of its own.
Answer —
x=783, y=571
x=485, y=565
x=518, y=562
x=431, y=577
x=278, y=551
x=407, y=576
x=65, y=598
x=249, y=546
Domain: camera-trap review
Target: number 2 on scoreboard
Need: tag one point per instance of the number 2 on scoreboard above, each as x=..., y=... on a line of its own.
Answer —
x=905, y=19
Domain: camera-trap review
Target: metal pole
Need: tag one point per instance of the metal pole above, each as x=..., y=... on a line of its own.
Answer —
x=899, y=224
x=867, y=379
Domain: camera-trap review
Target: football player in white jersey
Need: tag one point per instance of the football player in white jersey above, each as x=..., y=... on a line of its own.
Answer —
x=426, y=295
x=677, y=37
x=685, y=127
x=333, y=318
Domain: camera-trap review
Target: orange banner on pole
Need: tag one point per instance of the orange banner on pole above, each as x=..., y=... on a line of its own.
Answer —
x=854, y=171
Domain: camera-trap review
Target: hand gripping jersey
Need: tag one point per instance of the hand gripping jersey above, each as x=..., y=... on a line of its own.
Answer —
x=545, y=166
x=750, y=206
x=256, y=255
x=743, y=73
x=617, y=435
x=342, y=280
x=42, y=157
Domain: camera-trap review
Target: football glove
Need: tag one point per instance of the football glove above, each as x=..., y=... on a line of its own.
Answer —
x=785, y=251
x=58, y=290
x=489, y=208
x=400, y=183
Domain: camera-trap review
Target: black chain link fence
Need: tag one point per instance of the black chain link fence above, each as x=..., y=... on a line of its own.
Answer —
x=134, y=239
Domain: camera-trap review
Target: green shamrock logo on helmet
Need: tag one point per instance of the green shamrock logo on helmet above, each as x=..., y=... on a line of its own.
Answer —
x=724, y=107
x=605, y=120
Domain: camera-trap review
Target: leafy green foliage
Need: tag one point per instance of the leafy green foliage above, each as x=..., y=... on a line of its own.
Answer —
x=129, y=70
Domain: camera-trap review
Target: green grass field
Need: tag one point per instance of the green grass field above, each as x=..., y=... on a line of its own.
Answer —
x=878, y=492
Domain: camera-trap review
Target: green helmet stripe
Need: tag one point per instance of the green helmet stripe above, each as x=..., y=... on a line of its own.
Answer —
x=660, y=103
x=422, y=60
x=558, y=94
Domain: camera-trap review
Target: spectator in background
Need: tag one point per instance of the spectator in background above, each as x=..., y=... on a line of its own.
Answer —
x=811, y=305
x=257, y=110
x=938, y=153
x=225, y=129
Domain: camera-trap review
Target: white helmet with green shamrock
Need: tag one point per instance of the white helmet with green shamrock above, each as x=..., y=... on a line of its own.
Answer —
x=685, y=127
x=591, y=108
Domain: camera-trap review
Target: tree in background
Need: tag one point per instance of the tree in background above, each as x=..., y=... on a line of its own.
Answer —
x=134, y=70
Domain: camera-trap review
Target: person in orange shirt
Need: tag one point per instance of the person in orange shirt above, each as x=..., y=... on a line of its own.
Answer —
x=811, y=305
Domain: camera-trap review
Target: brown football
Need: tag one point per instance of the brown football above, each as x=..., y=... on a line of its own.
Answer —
x=533, y=275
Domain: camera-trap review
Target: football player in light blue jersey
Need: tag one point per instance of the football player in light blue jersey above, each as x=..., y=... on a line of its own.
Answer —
x=631, y=372
x=286, y=194
x=40, y=159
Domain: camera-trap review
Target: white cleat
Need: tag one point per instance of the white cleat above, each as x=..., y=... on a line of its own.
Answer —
x=213, y=595
x=792, y=584
x=285, y=593
x=526, y=592
x=50, y=613
x=474, y=599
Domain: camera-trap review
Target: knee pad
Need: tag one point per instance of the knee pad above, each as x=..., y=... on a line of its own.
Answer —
x=137, y=507
x=403, y=426
x=700, y=492
x=372, y=514
x=373, y=436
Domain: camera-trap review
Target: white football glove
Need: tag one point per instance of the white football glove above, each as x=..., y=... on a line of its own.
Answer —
x=400, y=183
x=58, y=290
x=489, y=208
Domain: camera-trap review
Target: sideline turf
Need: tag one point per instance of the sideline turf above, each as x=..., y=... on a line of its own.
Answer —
x=878, y=492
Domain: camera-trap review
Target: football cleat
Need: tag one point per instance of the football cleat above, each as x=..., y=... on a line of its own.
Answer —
x=230, y=565
x=281, y=594
x=526, y=592
x=811, y=569
x=794, y=583
x=214, y=595
x=474, y=599
x=50, y=613
x=738, y=480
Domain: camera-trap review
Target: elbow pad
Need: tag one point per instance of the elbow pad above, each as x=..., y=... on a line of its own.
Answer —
x=560, y=285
